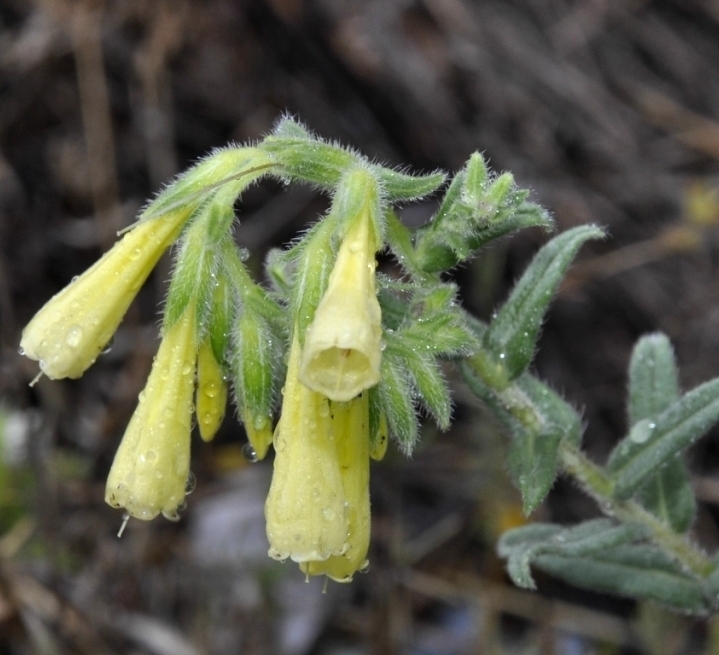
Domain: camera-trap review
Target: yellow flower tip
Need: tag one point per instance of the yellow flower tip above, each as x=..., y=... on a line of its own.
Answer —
x=343, y=346
x=71, y=330
x=152, y=465
x=351, y=427
x=305, y=508
x=211, y=396
x=259, y=434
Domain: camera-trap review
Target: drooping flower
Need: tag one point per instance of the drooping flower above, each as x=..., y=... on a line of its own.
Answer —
x=151, y=467
x=343, y=345
x=305, y=508
x=71, y=330
x=350, y=422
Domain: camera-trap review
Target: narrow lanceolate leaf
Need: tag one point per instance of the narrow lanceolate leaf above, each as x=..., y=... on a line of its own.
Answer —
x=533, y=458
x=524, y=545
x=538, y=419
x=255, y=359
x=426, y=377
x=512, y=335
x=653, y=388
x=395, y=396
x=659, y=440
x=635, y=571
x=653, y=378
x=398, y=187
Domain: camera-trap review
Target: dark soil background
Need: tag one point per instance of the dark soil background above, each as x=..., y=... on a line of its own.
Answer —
x=607, y=110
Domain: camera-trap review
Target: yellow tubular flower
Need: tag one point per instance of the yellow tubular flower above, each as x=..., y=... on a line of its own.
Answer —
x=73, y=327
x=151, y=466
x=351, y=425
x=305, y=507
x=211, y=398
x=342, y=351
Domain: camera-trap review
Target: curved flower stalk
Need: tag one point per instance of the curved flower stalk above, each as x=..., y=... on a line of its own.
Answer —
x=350, y=422
x=71, y=330
x=343, y=346
x=151, y=467
x=305, y=508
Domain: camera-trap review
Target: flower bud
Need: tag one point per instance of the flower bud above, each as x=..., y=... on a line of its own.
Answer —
x=211, y=397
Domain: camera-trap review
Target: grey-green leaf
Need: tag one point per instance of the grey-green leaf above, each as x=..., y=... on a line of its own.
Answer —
x=636, y=571
x=512, y=335
x=653, y=388
x=653, y=378
x=664, y=438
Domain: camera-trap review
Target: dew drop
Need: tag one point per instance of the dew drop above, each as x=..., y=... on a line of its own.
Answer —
x=364, y=568
x=355, y=246
x=248, y=452
x=141, y=396
x=135, y=253
x=108, y=347
x=328, y=514
x=21, y=351
x=73, y=336
x=324, y=409
x=151, y=455
x=259, y=422
x=125, y=519
x=190, y=484
x=186, y=368
x=642, y=431
x=211, y=389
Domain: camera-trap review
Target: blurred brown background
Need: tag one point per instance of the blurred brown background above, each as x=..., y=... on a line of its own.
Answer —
x=606, y=109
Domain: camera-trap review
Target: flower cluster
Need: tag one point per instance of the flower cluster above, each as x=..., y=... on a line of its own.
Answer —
x=356, y=351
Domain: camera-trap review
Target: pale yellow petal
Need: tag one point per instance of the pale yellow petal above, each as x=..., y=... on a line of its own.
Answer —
x=152, y=464
x=74, y=326
x=343, y=345
x=305, y=508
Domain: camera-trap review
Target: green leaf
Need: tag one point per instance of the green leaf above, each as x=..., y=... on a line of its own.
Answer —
x=653, y=388
x=635, y=571
x=233, y=167
x=652, y=443
x=255, y=363
x=221, y=316
x=309, y=159
x=315, y=260
x=512, y=334
x=653, y=378
x=399, y=240
x=425, y=375
x=395, y=396
x=523, y=546
x=538, y=419
x=476, y=209
x=533, y=456
x=192, y=277
x=398, y=187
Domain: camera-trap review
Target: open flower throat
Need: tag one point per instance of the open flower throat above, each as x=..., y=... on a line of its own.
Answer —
x=339, y=393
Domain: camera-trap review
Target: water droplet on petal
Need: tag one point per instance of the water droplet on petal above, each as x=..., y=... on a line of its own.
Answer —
x=248, y=452
x=108, y=347
x=73, y=336
x=190, y=484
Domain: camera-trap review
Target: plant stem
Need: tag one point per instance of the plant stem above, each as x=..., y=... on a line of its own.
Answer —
x=598, y=485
